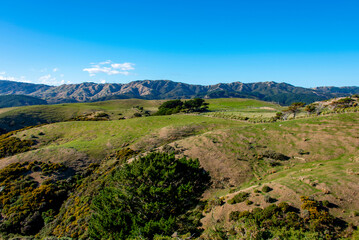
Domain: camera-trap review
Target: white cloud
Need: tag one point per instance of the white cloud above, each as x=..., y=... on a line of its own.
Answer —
x=111, y=69
x=123, y=66
x=105, y=62
x=12, y=78
x=8, y=78
x=103, y=81
x=62, y=75
x=49, y=80
x=55, y=69
x=92, y=71
x=45, y=78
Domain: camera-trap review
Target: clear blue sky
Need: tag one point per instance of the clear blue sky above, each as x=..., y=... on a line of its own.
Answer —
x=305, y=43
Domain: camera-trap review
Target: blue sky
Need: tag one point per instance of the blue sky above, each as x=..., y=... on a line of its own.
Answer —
x=304, y=43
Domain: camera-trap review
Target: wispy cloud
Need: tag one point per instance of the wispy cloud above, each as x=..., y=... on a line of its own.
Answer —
x=46, y=79
x=4, y=76
x=55, y=69
x=110, y=68
x=51, y=80
x=123, y=66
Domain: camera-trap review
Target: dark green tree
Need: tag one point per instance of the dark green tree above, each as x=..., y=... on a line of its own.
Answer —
x=195, y=105
x=147, y=196
x=170, y=107
x=176, y=106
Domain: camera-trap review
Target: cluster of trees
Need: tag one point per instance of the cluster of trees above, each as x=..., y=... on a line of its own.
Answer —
x=297, y=107
x=176, y=106
x=148, y=197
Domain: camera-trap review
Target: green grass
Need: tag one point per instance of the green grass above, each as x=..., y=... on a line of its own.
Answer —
x=19, y=117
x=99, y=138
x=236, y=104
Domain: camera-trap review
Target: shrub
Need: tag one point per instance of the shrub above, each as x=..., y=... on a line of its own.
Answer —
x=240, y=197
x=249, y=202
x=274, y=155
x=212, y=203
x=266, y=189
x=125, y=154
x=325, y=203
x=284, y=206
x=269, y=199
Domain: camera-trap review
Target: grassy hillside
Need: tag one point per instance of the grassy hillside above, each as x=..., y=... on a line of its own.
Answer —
x=251, y=165
x=17, y=118
x=20, y=117
x=19, y=100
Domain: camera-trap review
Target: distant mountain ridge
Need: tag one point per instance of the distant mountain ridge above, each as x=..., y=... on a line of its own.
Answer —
x=281, y=93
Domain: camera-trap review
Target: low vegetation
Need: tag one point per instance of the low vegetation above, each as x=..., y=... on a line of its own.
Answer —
x=283, y=221
x=26, y=204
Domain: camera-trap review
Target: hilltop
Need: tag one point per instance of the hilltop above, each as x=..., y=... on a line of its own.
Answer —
x=281, y=93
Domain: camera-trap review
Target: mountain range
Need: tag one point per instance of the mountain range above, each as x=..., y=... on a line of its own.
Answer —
x=282, y=93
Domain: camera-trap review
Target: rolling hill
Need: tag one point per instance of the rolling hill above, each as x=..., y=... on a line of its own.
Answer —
x=309, y=163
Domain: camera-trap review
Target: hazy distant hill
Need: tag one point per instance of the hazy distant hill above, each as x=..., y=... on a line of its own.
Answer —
x=281, y=93
x=19, y=100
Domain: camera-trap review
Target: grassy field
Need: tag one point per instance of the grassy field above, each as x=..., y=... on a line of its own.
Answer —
x=236, y=108
x=19, y=117
x=99, y=138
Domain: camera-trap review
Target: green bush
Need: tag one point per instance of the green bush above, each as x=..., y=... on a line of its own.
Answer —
x=269, y=199
x=266, y=189
x=240, y=197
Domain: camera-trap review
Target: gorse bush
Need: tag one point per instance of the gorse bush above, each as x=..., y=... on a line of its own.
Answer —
x=284, y=222
x=238, y=198
x=25, y=204
x=12, y=145
x=147, y=197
